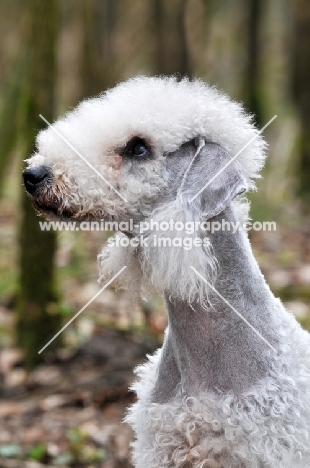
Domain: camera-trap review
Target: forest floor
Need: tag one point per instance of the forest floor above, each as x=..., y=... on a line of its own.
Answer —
x=68, y=411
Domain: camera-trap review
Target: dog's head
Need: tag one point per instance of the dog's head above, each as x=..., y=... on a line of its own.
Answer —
x=140, y=145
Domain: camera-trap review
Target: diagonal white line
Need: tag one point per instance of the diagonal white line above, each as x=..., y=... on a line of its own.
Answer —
x=83, y=308
x=233, y=158
x=236, y=312
x=82, y=157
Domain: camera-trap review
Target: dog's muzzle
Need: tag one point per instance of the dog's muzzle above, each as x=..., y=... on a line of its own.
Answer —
x=35, y=178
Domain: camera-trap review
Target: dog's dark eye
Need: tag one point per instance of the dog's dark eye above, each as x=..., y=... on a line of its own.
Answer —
x=139, y=149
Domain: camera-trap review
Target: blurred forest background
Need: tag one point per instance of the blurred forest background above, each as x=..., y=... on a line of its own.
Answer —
x=63, y=407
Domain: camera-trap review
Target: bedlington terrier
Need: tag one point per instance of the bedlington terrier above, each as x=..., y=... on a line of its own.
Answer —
x=230, y=387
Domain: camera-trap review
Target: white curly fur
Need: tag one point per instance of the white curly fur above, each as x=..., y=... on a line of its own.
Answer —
x=262, y=423
x=180, y=112
x=162, y=269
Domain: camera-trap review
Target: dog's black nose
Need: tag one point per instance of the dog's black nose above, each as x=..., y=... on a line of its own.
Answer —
x=34, y=177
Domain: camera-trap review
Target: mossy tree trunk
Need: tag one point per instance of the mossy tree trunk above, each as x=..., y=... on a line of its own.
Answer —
x=171, y=53
x=301, y=85
x=37, y=309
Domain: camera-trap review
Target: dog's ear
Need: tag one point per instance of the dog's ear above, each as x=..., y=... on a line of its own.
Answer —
x=211, y=179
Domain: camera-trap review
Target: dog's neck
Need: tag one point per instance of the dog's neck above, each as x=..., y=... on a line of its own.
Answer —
x=210, y=348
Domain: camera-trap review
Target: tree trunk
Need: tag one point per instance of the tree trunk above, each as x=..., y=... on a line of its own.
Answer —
x=172, y=54
x=301, y=89
x=98, y=71
x=37, y=309
x=253, y=97
x=9, y=114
